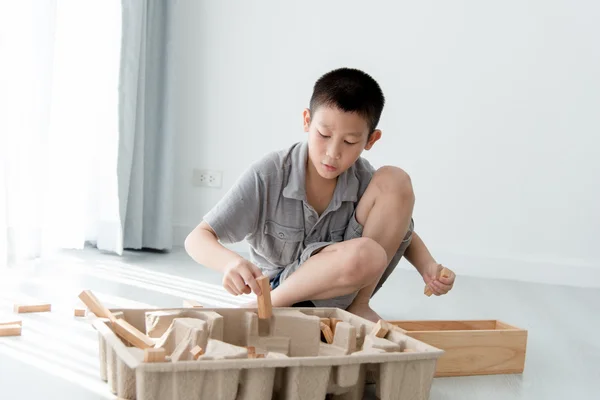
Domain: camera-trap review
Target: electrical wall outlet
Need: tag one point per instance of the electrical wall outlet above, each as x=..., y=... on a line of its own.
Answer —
x=207, y=178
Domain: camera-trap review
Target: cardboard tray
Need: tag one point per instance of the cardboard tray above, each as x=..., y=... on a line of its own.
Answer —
x=298, y=365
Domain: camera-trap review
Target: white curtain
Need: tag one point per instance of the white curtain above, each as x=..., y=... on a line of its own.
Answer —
x=146, y=156
x=59, y=133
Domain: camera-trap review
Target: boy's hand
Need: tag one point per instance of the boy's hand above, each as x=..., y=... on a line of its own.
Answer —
x=439, y=285
x=240, y=277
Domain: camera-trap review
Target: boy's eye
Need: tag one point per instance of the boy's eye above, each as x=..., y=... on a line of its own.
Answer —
x=323, y=136
x=347, y=142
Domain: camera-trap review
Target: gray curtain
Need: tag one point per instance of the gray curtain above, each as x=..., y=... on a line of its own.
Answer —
x=145, y=161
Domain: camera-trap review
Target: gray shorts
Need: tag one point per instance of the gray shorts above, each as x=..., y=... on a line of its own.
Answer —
x=353, y=231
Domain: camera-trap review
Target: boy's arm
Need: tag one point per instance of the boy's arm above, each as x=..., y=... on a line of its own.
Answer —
x=420, y=257
x=232, y=219
x=418, y=254
x=203, y=246
x=239, y=274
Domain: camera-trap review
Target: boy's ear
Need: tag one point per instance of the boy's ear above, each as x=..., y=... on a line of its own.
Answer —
x=375, y=136
x=306, y=119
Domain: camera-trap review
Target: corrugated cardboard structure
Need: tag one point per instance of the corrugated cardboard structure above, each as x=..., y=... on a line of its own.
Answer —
x=289, y=360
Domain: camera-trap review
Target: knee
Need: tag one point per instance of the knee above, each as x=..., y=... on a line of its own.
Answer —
x=389, y=179
x=364, y=261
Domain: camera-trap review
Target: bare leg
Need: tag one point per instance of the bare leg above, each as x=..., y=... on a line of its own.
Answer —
x=388, y=198
x=339, y=269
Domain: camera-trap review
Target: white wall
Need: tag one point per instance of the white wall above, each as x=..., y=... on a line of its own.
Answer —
x=493, y=109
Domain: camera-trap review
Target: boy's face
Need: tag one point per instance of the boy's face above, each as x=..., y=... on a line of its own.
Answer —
x=336, y=139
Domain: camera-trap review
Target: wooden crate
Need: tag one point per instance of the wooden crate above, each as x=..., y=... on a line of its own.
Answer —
x=478, y=347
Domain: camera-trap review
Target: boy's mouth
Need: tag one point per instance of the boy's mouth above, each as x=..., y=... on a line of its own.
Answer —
x=329, y=167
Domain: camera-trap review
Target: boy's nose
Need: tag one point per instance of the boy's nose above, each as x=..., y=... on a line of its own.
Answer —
x=333, y=152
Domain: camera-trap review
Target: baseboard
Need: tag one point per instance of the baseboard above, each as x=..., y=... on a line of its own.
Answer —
x=554, y=273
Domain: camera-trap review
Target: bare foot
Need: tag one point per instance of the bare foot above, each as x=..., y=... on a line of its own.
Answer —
x=365, y=311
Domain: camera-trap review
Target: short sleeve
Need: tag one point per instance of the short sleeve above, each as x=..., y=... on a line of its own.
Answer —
x=236, y=215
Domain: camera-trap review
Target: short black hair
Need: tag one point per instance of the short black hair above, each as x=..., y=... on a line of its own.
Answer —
x=349, y=90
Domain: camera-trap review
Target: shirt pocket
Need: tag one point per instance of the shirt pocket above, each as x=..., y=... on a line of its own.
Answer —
x=281, y=244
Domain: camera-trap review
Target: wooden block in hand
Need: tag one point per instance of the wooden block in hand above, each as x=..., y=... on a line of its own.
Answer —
x=445, y=272
x=197, y=351
x=381, y=329
x=30, y=308
x=265, y=309
x=91, y=301
x=132, y=335
x=10, y=330
x=192, y=304
x=155, y=355
x=327, y=332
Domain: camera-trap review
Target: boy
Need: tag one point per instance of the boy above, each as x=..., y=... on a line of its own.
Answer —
x=322, y=224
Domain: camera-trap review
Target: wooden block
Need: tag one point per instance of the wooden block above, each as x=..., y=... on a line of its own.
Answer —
x=334, y=322
x=192, y=304
x=445, y=272
x=11, y=323
x=31, y=308
x=155, y=355
x=251, y=350
x=260, y=356
x=132, y=335
x=91, y=301
x=265, y=309
x=197, y=351
x=327, y=333
x=10, y=330
x=381, y=329
x=326, y=321
x=79, y=312
x=471, y=347
x=409, y=351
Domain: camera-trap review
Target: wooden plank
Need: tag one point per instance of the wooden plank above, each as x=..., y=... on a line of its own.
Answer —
x=326, y=321
x=31, y=308
x=132, y=335
x=381, y=329
x=11, y=323
x=197, y=351
x=436, y=325
x=471, y=352
x=91, y=301
x=10, y=330
x=192, y=304
x=155, y=355
x=327, y=332
x=334, y=322
x=79, y=312
x=265, y=309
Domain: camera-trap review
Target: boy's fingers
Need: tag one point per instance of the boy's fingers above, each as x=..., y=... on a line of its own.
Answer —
x=447, y=281
x=442, y=288
x=248, y=277
x=238, y=284
x=229, y=289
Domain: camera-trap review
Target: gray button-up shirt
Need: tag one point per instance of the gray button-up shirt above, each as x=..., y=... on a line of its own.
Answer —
x=267, y=207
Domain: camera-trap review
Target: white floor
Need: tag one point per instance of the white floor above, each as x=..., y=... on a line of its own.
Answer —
x=56, y=356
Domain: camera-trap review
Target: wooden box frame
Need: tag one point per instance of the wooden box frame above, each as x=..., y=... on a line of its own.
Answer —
x=472, y=347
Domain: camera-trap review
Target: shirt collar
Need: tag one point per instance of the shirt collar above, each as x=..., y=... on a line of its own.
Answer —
x=346, y=188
